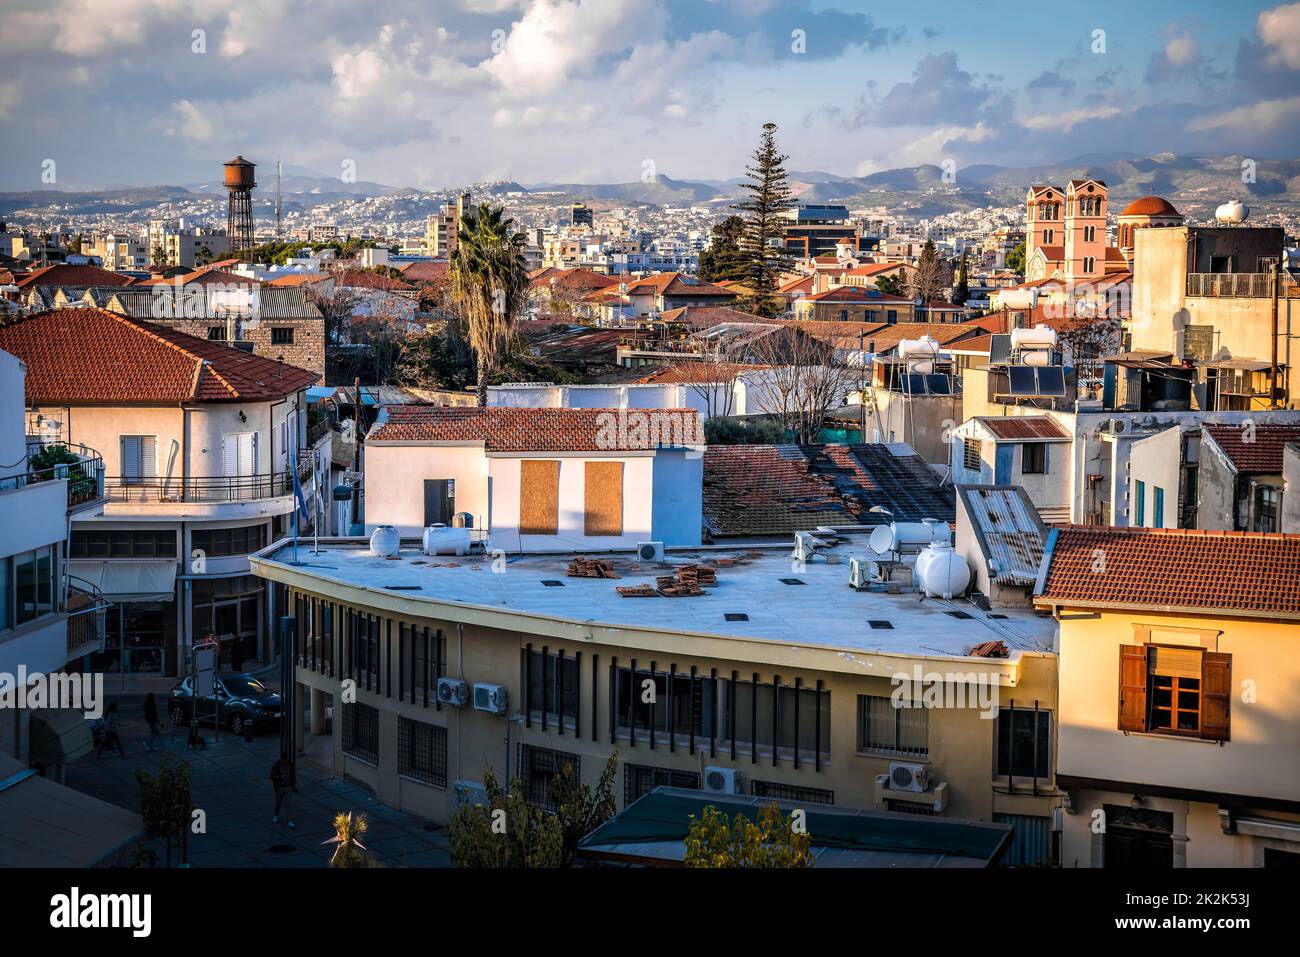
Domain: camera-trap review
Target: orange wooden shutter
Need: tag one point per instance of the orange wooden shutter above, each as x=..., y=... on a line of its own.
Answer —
x=1132, y=687
x=539, y=497
x=1216, y=695
x=603, y=498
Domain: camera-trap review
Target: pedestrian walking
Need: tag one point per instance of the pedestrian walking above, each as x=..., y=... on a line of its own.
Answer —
x=282, y=781
x=151, y=718
x=111, y=739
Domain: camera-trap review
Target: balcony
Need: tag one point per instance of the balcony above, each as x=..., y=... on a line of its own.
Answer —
x=206, y=490
x=1238, y=285
x=81, y=467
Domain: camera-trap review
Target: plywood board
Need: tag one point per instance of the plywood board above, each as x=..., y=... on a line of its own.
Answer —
x=603, y=498
x=539, y=497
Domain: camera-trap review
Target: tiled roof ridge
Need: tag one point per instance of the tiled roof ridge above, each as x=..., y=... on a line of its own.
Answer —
x=1183, y=532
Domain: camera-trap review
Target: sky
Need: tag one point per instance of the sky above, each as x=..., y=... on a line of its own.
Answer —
x=438, y=93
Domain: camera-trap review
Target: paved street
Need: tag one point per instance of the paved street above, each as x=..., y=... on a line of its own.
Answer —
x=231, y=783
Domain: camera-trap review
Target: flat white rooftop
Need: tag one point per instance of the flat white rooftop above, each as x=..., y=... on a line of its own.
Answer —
x=760, y=596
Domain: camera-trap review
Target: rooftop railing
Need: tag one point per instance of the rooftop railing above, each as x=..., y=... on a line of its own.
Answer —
x=84, y=471
x=213, y=490
x=1238, y=285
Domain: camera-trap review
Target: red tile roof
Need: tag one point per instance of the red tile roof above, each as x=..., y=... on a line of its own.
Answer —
x=92, y=356
x=426, y=270
x=571, y=280
x=1183, y=570
x=364, y=279
x=207, y=276
x=699, y=372
x=1254, y=448
x=854, y=294
x=502, y=429
x=61, y=274
x=1017, y=427
x=701, y=317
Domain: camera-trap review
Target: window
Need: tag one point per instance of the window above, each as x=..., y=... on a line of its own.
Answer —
x=551, y=685
x=1159, y=506
x=972, y=457
x=885, y=729
x=539, y=497
x=282, y=335
x=603, y=498
x=1089, y=263
x=844, y=315
x=538, y=768
x=1033, y=458
x=641, y=779
x=428, y=655
x=223, y=542
x=1170, y=689
x=1267, y=504
x=891, y=316
x=216, y=333
x=6, y=593
x=35, y=584
x=123, y=543
x=766, y=720
x=791, y=792
x=685, y=708
x=1139, y=502
x=239, y=454
x=1024, y=743
x=422, y=751
x=361, y=732
x=139, y=453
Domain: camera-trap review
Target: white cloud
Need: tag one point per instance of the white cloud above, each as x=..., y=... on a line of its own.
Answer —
x=1067, y=120
x=1279, y=28
x=11, y=92
x=1262, y=117
x=1180, y=51
x=536, y=116
x=193, y=124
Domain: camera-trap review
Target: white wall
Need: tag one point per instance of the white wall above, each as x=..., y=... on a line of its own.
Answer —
x=1157, y=462
x=394, y=483
x=13, y=419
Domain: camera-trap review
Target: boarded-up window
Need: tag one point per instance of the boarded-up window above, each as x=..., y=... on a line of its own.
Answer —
x=603, y=498
x=539, y=497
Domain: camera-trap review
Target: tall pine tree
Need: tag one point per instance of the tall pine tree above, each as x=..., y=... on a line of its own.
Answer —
x=769, y=197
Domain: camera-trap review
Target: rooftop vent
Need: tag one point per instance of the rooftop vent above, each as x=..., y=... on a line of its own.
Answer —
x=880, y=624
x=736, y=616
x=552, y=583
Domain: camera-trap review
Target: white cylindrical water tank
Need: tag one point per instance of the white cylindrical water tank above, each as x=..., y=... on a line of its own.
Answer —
x=1233, y=211
x=898, y=535
x=941, y=572
x=1039, y=337
x=1018, y=298
x=441, y=540
x=385, y=542
x=927, y=347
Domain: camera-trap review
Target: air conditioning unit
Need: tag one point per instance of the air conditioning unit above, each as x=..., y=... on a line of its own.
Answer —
x=806, y=545
x=452, y=691
x=650, y=551
x=862, y=571
x=469, y=793
x=908, y=777
x=1118, y=426
x=490, y=698
x=721, y=780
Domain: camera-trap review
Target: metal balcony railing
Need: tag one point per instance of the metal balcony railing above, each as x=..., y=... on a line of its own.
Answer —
x=85, y=476
x=205, y=490
x=1238, y=285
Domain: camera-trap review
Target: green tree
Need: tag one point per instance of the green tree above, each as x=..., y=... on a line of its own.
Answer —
x=725, y=431
x=725, y=258
x=508, y=832
x=961, y=292
x=1016, y=259
x=159, y=255
x=165, y=802
x=895, y=285
x=774, y=841
x=769, y=197
x=489, y=286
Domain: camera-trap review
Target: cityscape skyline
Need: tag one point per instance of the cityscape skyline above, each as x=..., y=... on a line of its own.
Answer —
x=555, y=91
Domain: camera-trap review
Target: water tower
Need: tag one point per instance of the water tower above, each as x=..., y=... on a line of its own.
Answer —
x=240, y=180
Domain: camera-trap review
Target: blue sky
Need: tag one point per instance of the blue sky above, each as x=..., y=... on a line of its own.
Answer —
x=414, y=93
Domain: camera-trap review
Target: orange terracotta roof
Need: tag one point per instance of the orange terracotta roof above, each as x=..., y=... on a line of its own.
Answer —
x=363, y=279
x=1150, y=206
x=502, y=429
x=61, y=274
x=702, y=371
x=1180, y=570
x=207, y=276
x=298, y=279
x=426, y=270
x=1256, y=449
x=91, y=356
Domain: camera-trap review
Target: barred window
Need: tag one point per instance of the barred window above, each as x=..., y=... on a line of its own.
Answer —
x=282, y=335
x=791, y=792
x=641, y=779
x=556, y=692
x=884, y=728
x=538, y=768
x=972, y=457
x=422, y=751
x=361, y=732
x=428, y=658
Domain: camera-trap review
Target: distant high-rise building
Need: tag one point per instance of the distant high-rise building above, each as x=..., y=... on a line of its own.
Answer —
x=580, y=214
x=441, y=230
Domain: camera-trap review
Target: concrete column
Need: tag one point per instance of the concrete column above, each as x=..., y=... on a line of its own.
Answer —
x=298, y=730
x=317, y=711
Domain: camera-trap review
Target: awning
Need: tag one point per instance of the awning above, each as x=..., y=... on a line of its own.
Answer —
x=126, y=581
x=59, y=736
x=1245, y=365
x=45, y=824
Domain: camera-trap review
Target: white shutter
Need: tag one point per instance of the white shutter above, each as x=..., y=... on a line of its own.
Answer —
x=230, y=455
x=148, y=456
x=239, y=454
x=248, y=453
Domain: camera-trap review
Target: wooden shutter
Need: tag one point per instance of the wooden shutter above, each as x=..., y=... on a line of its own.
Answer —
x=539, y=497
x=1216, y=695
x=603, y=498
x=1132, y=687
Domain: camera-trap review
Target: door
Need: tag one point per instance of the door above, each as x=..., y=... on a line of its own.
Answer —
x=439, y=501
x=225, y=623
x=1002, y=463
x=239, y=463
x=1138, y=849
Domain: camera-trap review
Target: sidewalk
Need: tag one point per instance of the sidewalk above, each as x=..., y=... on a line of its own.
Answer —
x=230, y=782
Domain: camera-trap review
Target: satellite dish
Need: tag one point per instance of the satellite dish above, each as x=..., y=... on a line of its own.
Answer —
x=1234, y=211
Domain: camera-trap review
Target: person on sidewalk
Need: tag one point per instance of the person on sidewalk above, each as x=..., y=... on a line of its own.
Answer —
x=282, y=781
x=151, y=718
x=111, y=738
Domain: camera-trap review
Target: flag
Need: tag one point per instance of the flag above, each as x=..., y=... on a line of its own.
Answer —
x=297, y=488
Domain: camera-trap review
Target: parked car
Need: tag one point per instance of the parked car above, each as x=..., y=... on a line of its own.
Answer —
x=237, y=700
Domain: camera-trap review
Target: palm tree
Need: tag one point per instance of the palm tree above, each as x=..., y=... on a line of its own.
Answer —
x=489, y=286
x=349, y=852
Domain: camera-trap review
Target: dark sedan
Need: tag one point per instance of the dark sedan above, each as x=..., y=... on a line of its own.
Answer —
x=237, y=700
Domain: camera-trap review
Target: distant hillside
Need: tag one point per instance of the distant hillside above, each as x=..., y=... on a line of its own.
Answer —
x=661, y=191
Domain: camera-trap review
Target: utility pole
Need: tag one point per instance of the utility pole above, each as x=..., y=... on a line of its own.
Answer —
x=279, y=235
x=1276, y=284
x=356, y=455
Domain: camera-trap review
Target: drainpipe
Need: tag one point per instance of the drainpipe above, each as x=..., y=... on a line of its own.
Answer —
x=356, y=457
x=1276, y=289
